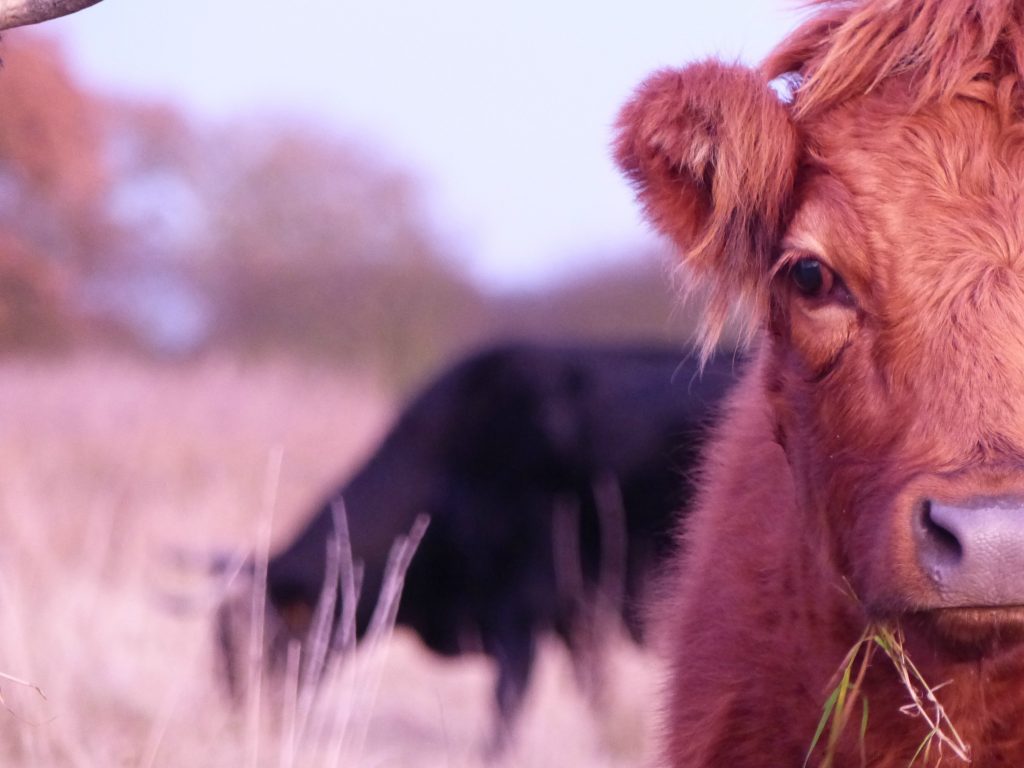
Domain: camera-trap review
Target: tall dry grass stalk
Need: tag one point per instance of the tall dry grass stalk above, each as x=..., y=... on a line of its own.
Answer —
x=109, y=468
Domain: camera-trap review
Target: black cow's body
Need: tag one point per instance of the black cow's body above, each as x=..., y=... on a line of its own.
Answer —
x=549, y=474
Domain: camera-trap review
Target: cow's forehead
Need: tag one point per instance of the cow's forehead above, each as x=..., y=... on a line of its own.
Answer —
x=919, y=202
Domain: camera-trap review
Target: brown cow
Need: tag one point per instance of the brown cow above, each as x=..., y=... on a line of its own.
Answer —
x=869, y=475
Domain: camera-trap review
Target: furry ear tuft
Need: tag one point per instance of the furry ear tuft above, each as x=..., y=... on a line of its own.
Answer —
x=712, y=154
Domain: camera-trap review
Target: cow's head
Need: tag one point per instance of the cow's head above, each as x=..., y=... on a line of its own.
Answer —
x=875, y=228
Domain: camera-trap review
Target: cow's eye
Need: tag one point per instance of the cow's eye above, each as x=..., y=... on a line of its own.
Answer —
x=811, y=277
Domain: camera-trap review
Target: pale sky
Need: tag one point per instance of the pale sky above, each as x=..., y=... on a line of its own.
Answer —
x=502, y=110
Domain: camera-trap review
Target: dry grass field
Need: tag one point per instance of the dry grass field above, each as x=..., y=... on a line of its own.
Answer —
x=109, y=466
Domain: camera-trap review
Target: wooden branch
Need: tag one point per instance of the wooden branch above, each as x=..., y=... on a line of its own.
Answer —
x=18, y=13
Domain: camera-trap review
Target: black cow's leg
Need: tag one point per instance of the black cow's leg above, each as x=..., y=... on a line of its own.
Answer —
x=512, y=645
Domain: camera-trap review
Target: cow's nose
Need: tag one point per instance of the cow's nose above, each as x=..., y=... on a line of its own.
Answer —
x=974, y=553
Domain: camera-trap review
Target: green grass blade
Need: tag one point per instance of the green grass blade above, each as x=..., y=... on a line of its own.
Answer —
x=839, y=712
x=863, y=735
x=882, y=641
x=826, y=713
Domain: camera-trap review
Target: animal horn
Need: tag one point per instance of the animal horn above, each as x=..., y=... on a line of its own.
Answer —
x=19, y=13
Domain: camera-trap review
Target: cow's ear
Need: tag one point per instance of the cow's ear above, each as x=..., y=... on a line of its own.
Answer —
x=712, y=153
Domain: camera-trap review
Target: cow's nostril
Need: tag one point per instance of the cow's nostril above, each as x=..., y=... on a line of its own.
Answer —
x=941, y=540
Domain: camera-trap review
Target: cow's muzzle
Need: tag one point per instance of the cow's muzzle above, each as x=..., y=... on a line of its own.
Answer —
x=973, y=552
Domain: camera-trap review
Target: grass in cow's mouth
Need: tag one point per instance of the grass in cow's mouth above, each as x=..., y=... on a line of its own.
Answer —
x=840, y=707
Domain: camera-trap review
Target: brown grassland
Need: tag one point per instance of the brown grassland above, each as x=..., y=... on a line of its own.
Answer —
x=109, y=466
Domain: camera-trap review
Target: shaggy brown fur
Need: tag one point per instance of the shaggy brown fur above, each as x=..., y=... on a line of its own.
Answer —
x=899, y=167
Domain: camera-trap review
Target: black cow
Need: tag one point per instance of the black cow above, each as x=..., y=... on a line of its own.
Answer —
x=552, y=477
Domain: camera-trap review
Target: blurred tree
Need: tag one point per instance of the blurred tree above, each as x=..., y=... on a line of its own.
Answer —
x=53, y=187
x=50, y=139
x=155, y=159
x=34, y=299
x=293, y=195
x=318, y=246
x=145, y=292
